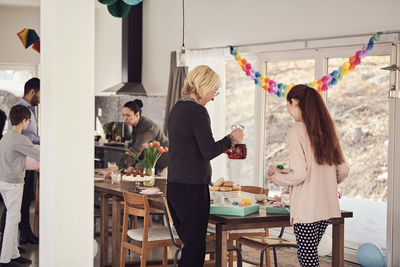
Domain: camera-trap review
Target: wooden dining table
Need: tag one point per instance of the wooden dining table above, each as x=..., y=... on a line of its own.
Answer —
x=223, y=223
x=113, y=192
x=261, y=220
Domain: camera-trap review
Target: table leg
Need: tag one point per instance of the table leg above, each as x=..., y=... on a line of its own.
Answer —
x=221, y=246
x=104, y=231
x=116, y=231
x=338, y=244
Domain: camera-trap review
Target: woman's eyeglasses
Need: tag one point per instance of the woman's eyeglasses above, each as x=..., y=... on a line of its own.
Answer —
x=216, y=93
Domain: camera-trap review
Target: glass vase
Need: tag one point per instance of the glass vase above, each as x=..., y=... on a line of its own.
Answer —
x=149, y=172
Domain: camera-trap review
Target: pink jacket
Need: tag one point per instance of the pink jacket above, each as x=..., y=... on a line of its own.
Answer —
x=314, y=194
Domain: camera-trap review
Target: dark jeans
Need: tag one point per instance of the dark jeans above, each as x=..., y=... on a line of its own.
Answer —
x=190, y=207
x=27, y=197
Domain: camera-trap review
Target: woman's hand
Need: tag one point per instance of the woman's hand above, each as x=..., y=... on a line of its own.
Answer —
x=237, y=136
x=271, y=174
x=129, y=170
x=110, y=170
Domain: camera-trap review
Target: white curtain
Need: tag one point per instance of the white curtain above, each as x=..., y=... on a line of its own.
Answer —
x=214, y=58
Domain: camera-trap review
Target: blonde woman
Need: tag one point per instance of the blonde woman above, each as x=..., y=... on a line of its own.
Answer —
x=192, y=146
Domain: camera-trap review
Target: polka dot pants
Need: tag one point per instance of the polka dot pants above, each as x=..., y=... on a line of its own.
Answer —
x=308, y=236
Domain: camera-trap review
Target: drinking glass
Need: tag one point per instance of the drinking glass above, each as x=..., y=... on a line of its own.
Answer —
x=115, y=178
x=111, y=164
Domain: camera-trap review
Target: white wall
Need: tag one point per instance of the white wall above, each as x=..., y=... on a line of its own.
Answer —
x=108, y=61
x=108, y=42
x=218, y=23
x=13, y=20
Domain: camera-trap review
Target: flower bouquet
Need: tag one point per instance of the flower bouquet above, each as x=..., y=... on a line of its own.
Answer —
x=152, y=151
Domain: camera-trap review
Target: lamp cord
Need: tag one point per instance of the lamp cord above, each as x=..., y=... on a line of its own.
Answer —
x=183, y=22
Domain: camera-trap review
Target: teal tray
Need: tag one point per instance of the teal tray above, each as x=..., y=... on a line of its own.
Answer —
x=277, y=210
x=234, y=210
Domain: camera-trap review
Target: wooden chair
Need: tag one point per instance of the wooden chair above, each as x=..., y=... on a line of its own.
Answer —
x=265, y=243
x=149, y=237
x=234, y=235
x=210, y=244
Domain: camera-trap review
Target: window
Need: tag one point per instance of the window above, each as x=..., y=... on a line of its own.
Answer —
x=277, y=118
x=359, y=105
x=12, y=81
x=240, y=110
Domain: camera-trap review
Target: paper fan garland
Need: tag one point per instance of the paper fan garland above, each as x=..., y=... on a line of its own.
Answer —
x=107, y=2
x=29, y=37
x=322, y=84
x=119, y=9
x=132, y=2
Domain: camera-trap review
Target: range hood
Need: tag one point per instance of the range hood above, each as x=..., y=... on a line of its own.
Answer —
x=132, y=32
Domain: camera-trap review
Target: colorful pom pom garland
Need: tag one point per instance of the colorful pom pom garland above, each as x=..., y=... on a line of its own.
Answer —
x=322, y=84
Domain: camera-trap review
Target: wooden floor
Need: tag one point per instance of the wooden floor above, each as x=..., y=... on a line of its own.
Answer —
x=288, y=257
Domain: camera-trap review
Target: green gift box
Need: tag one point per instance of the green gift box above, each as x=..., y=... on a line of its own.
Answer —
x=234, y=210
x=278, y=210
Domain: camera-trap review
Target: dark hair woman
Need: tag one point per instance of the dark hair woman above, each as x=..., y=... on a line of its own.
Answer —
x=317, y=166
x=140, y=130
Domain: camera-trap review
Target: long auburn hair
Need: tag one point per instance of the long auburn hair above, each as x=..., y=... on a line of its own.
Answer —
x=319, y=125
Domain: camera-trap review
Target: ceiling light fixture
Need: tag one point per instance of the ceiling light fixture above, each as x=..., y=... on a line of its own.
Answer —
x=182, y=55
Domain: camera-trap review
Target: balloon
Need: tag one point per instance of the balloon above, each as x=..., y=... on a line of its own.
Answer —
x=32, y=164
x=325, y=245
x=369, y=255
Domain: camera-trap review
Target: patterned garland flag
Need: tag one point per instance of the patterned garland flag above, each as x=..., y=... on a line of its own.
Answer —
x=322, y=84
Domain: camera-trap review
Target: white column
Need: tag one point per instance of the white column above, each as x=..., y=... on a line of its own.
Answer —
x=67, y=113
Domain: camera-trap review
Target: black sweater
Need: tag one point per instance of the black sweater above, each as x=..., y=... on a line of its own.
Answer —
x=192, y=144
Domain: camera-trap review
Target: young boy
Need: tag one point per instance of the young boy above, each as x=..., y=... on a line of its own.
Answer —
x=14, y=147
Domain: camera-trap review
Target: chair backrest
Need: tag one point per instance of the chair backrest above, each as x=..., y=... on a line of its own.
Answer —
x=170, y=222
x=137, y=205
x=253, y=189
